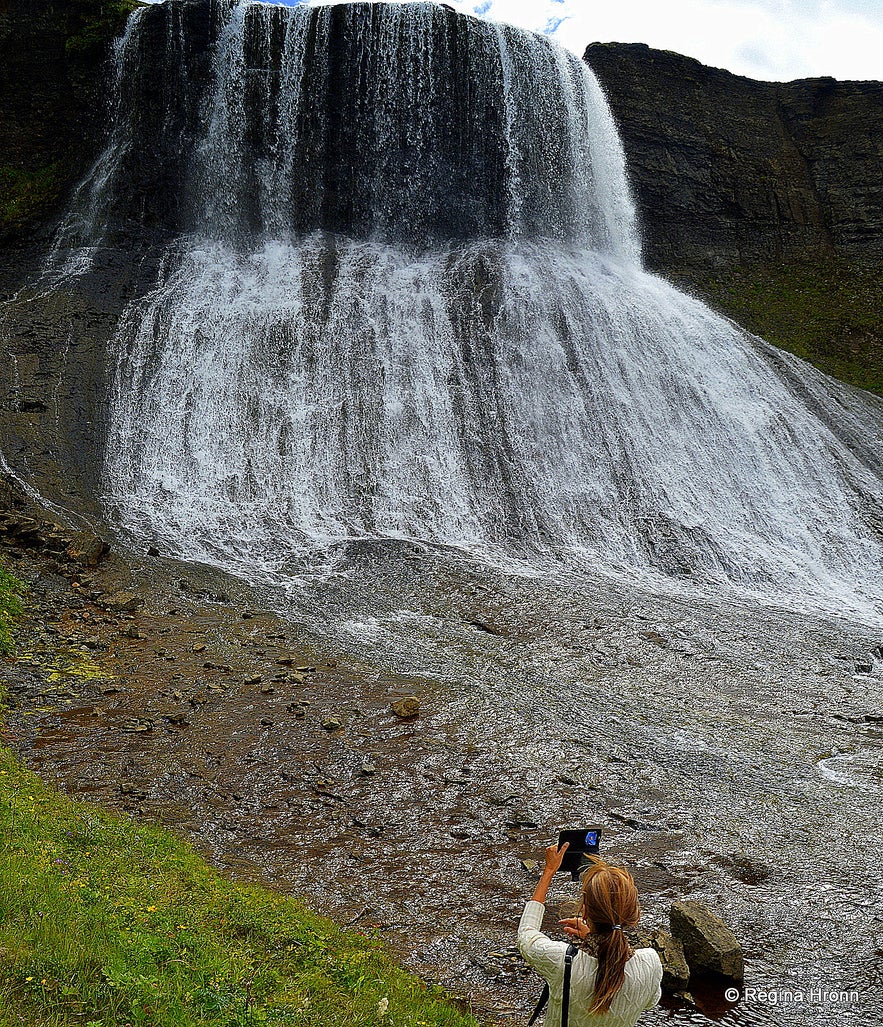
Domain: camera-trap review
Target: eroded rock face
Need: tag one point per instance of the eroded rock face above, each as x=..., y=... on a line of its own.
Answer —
x=726, y=169
x=675, y=972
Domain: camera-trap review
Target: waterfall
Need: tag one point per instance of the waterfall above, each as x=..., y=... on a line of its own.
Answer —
x=402, y=298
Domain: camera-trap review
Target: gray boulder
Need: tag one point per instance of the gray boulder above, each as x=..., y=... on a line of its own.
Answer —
x=708, y=943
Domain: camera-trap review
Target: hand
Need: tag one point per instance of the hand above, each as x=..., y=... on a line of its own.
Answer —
x=554, y=857
x=575, y=927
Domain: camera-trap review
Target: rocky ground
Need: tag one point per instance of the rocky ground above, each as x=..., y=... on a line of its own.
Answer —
x=172, y=692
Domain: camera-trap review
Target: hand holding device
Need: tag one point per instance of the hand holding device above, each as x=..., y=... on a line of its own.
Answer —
x=554, y=856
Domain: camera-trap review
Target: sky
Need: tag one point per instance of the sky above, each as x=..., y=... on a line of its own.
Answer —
x=775, y=40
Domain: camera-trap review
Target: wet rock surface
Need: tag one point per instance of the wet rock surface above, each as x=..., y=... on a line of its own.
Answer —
x=183, y=711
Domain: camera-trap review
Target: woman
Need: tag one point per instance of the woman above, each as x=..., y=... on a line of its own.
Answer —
x=611, y=983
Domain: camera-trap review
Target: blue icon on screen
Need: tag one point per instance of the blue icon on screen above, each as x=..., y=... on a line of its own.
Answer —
x=591, y=838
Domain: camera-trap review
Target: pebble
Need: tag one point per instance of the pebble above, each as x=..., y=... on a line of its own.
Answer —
x=406, y=707
x=332, y=723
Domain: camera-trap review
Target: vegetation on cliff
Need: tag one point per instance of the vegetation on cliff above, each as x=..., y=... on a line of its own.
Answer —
x=93, y=23
x=11, y=592
x=827, y=312
x=25, y=194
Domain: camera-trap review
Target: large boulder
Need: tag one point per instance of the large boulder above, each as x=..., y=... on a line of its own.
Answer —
x=709, y=945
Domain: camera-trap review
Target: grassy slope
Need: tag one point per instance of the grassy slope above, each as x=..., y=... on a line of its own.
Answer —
x=106, y=922
x=830, y=313
x=11, y=592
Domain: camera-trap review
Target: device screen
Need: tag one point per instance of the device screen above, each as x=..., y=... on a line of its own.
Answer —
x=585, y=841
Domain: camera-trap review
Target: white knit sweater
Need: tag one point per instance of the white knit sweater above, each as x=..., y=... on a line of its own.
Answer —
x=641, y=989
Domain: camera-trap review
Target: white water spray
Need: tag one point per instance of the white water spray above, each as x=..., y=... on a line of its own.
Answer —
x=355, y=339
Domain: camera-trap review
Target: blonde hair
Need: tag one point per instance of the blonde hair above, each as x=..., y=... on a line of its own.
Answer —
x=609, y=902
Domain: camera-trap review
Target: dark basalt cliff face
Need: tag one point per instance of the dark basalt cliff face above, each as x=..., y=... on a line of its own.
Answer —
x=53, y=55
x=726, y=169
x=766, y=199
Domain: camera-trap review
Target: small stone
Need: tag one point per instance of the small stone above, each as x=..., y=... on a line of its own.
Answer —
x=266, y=722
x=152, y=551
x=530, y=865
x=124, y=601
x=488, y=627
x=367, y=769
x=406, y=707
x=655, y=636
x=267, y=689
x=332, y=724
x=254, y=679
x=198, y=647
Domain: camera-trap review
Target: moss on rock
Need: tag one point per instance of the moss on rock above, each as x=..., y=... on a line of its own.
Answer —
x=829, y=312
x=92, y=24
x=27, y=193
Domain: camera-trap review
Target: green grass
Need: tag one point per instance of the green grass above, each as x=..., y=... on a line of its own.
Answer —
x=11, y=592
x=26, y=193
x=828, y=312
x=109, y=922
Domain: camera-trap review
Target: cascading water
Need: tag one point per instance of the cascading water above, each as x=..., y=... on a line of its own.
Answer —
x=402, y=298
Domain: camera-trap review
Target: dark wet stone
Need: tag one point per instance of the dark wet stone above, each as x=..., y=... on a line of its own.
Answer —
x=487, y=627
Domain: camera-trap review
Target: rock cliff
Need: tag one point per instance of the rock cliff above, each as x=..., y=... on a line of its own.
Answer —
x=766, y=199
x=727, y=170
x=52, y=81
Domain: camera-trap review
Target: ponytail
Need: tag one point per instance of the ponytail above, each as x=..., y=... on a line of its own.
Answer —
x=609, y=902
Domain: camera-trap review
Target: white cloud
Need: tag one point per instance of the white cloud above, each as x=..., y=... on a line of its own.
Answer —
x=768, y=39
x=777, y=39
